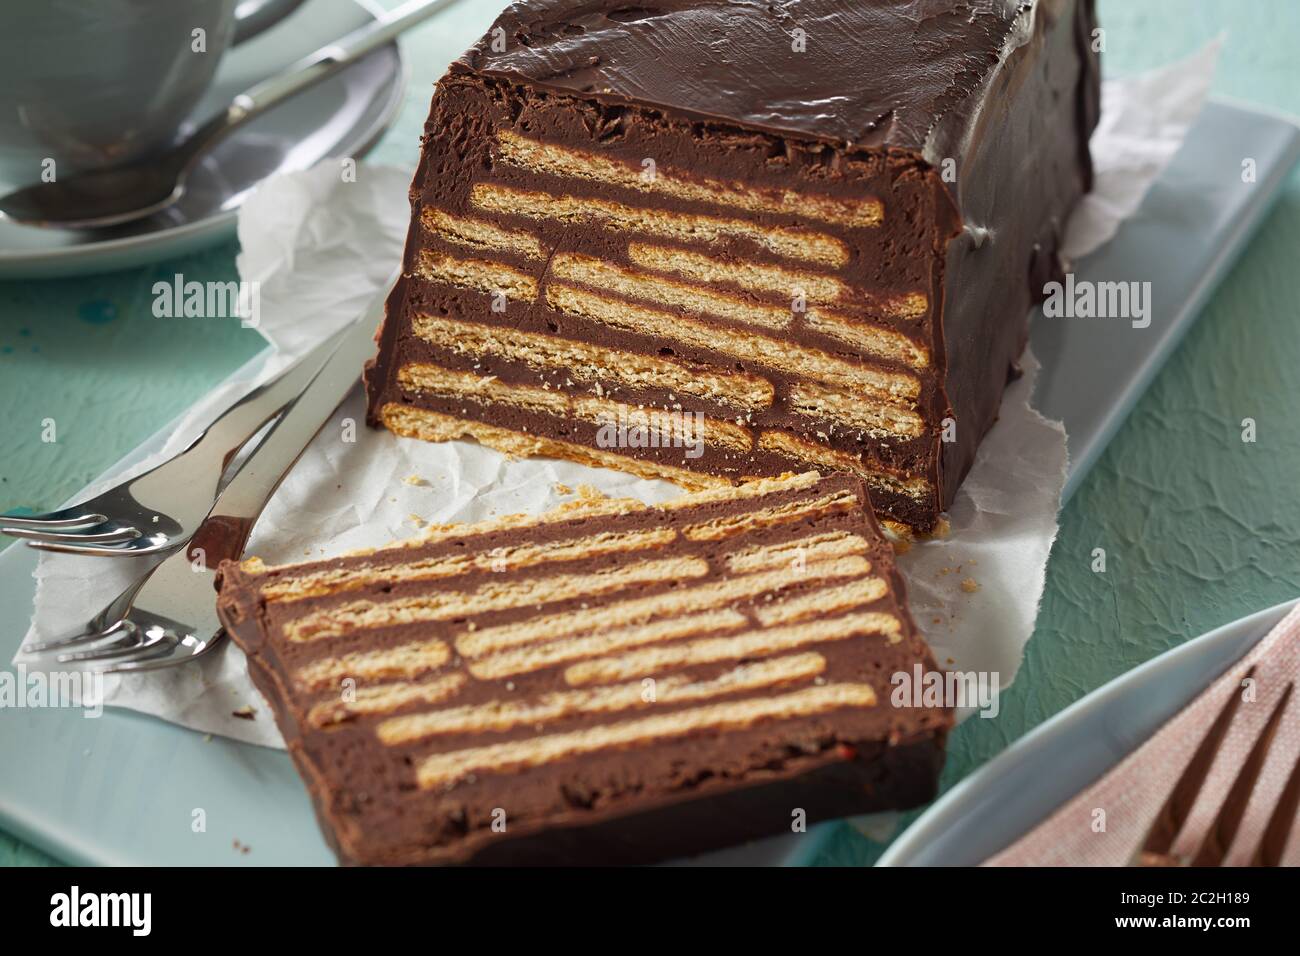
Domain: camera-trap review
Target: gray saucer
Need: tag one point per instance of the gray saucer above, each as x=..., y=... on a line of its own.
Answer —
x=344, y=116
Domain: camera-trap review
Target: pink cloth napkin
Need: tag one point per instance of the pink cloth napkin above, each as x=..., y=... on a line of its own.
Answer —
x=1106, y=823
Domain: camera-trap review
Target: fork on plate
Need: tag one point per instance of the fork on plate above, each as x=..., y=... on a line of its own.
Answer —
x=1162, y=840
x=161, y=509
x=169, y=616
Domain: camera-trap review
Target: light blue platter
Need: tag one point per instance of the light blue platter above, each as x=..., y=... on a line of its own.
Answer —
x=121, y=789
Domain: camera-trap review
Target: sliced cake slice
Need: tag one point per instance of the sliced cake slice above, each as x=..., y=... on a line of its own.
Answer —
x=606, y=683
x=713, y=240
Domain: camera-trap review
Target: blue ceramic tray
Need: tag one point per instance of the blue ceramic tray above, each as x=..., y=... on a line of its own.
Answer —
x=121, y=789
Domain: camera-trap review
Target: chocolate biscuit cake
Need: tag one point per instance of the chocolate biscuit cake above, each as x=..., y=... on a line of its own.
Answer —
x=606, y=683
x=707, y=240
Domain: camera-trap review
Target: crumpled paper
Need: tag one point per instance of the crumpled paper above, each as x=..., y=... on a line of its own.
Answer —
x=320, y=247
x=1144, y=120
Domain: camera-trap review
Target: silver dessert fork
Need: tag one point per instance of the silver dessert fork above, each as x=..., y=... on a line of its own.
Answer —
x=169, y=616
x=161, y=509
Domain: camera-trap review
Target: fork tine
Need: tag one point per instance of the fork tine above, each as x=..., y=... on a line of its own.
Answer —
x=1169, y=821
x=149, y=650
x=1278, y=831
x=176, y=654
x=125, y=548
x=1221, y=833
x=102, y=626
x=91, y=635
x=50, y=521
x=112, y=652
x=89, y=536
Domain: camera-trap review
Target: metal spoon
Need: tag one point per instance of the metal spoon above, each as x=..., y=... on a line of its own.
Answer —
x=112, y=196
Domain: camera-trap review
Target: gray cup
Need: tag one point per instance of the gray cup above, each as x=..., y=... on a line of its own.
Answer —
x=86, y=84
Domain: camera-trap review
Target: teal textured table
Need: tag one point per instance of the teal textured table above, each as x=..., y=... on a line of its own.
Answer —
x=1199, y=527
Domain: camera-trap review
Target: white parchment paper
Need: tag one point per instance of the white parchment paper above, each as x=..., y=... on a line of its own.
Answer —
x=320, y=247
x=1144, y=120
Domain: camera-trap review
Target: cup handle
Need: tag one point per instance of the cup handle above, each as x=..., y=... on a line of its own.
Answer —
x=254, y=16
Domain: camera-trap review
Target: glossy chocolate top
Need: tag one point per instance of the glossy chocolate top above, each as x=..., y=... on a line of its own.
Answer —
x=866, y=73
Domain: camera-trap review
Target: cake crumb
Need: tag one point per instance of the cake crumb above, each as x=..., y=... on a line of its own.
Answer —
x=560, y=488
x=970, y=585
x=244, y=713
x=238, y=847
x=416, y=520
x=415, y=480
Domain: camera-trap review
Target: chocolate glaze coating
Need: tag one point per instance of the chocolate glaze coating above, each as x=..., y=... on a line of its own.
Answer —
x=969, y=122
x=868, y=74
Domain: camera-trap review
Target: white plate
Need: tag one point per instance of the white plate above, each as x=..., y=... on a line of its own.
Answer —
x=343, y=116
x=1023, y=785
